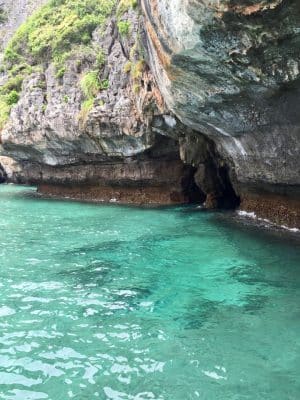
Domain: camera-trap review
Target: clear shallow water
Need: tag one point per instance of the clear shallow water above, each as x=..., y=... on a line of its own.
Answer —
x=111, y=302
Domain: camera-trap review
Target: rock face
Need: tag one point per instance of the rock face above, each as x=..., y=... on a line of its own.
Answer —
x=202, y=104
x=118, y=150
x=230, y=70
x=12, y=15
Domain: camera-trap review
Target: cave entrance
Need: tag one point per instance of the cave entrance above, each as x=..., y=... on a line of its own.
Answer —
x=192, y=192
x=229, y=200
x=210, y=185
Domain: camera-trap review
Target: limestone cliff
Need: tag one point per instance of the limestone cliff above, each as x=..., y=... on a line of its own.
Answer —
x=195, y=100
x=230, y=70
x=13, y=14
x=111, y=145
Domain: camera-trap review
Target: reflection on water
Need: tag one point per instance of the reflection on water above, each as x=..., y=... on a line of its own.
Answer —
x=121, y=303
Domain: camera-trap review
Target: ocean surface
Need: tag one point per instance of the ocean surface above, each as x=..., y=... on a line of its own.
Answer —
x=124, y=303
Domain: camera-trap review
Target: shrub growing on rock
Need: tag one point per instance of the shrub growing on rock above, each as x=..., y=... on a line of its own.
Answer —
x=50, y=35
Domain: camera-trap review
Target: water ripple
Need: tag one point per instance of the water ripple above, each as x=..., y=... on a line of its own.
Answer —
x=117, y=303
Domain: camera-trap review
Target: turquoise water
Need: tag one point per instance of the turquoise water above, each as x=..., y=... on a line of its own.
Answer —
x=110, y=302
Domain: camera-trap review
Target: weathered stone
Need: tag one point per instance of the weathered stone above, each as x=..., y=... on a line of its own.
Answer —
x=230, y=70
x=11, y=169
x=220, y=87
x=121, y=143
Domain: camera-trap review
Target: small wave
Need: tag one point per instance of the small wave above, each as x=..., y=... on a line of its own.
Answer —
x=247, y=214
x=252, y=215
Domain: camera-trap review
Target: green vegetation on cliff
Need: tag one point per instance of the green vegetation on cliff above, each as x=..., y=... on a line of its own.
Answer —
x=50, y=35
x=124, y=27
x=56, y=28
x=59, y=31
x=125, y=5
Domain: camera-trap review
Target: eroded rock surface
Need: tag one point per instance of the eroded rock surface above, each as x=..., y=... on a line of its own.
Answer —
x=230, y=70
x=213, y=114
x=120, y=149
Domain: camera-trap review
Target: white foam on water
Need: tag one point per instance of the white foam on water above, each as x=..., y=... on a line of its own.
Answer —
x=252, y=215
x=6, y=311
x=214, y=375
x=247, y=214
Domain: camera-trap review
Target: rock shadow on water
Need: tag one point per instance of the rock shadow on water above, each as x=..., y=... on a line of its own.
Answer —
x=92, y=273
x=154, y=238
x=199, y=314
x=109, y=245
x=101, y=274
x=247, y=275
x=206, y=313
x=255, y=303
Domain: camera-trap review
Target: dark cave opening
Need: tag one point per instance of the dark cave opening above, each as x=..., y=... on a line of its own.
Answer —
x=214, y=189
x=229, y=199
x=3, y=177
x=192, y=192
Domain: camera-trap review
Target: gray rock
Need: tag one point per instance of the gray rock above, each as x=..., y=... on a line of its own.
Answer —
x=228, y=73
x=219, y=83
